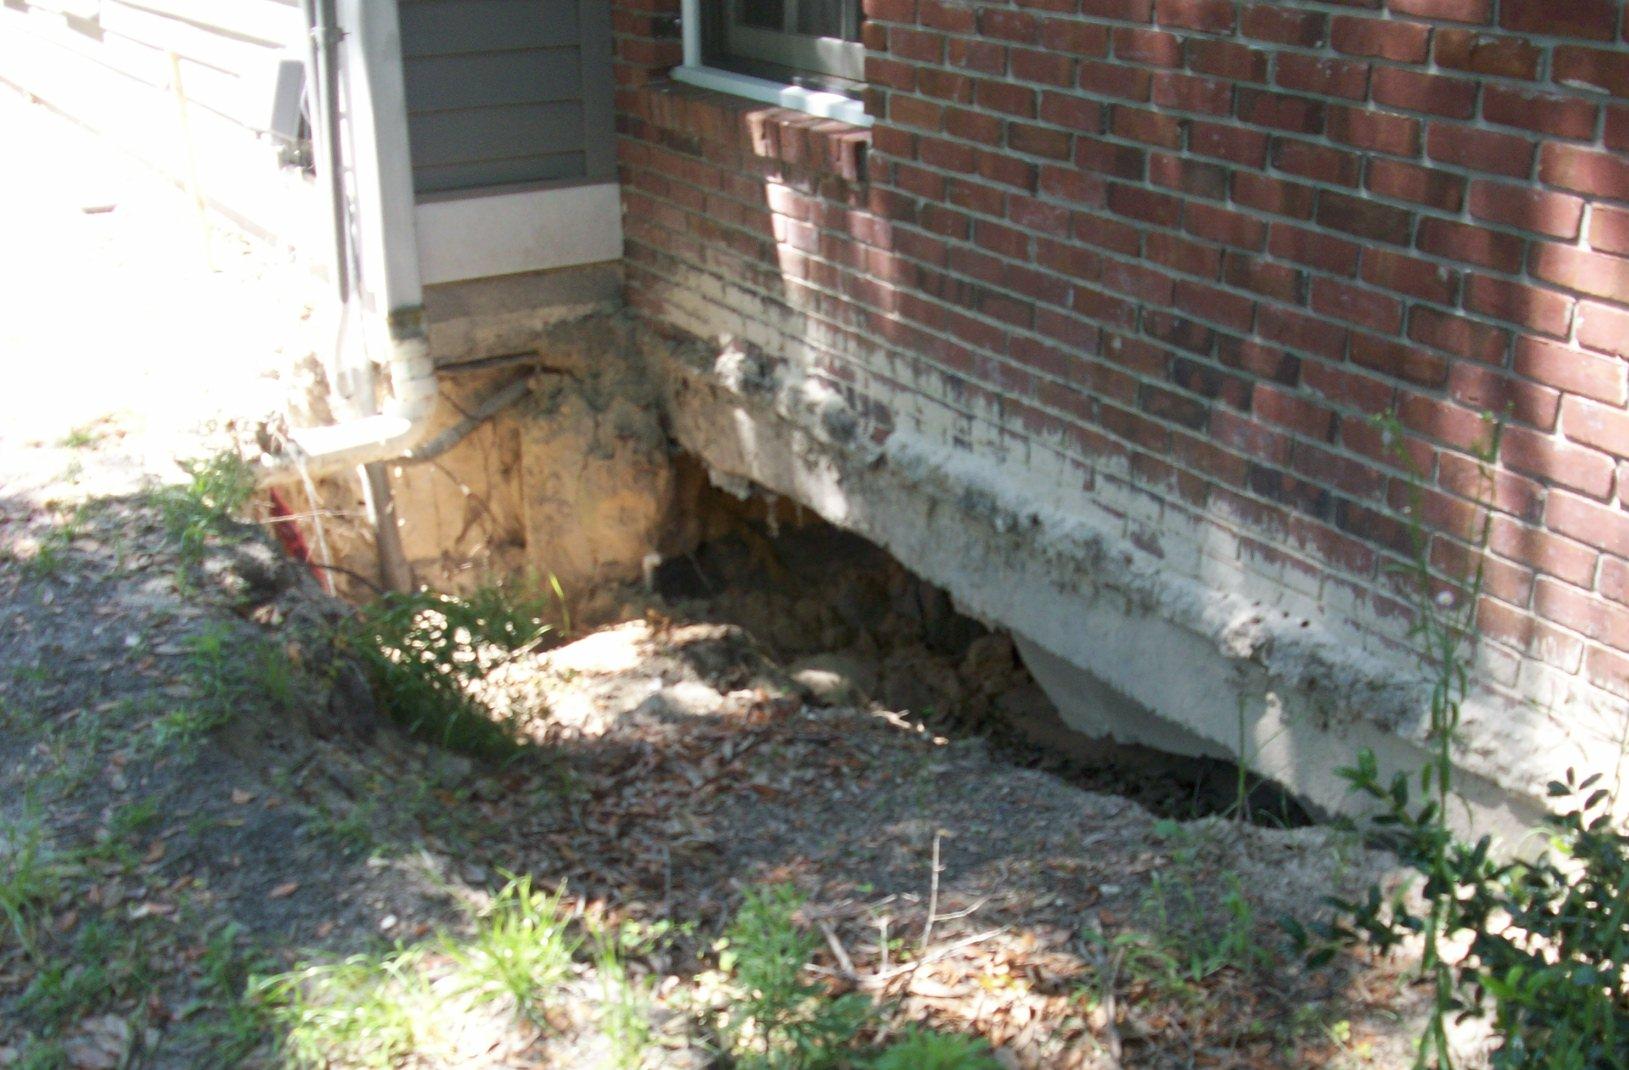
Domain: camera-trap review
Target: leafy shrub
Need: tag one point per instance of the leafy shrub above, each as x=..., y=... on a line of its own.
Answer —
x=216, y=488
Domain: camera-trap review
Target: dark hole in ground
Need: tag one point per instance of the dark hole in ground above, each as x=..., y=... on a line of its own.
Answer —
x=823, y=599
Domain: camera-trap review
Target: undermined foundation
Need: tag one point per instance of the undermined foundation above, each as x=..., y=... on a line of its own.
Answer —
x=635, y=455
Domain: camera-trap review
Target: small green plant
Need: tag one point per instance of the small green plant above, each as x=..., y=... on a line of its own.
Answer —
x=924, y=1049
x=82, y=437
x=422, y=651
x=521, y=950
x=216, y=488
x=780, y=1021
x=227, y=673
x=625, y=1003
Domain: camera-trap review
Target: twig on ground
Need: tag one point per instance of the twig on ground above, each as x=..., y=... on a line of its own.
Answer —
x=840, y=953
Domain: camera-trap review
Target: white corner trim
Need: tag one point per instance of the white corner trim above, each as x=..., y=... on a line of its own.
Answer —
x=484, y=235
x=812, y=101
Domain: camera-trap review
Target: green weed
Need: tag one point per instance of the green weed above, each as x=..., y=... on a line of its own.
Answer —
x=227, y=673
x=82, y=437
x=625, y=1003
x=779, y=1021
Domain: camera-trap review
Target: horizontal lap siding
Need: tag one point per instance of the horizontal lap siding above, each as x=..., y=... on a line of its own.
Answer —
x=503, y=92
x=106, y=64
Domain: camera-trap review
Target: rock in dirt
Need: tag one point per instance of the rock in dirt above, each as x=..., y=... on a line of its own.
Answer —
x=835, y=679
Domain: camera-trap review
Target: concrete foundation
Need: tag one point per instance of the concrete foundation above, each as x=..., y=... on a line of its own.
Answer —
x=1125, y=649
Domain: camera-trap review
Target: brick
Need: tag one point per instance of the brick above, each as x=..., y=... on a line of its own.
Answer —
x=1323, y=76
x=1009, y=25
x=945, y=85
x=949, y=17
x=1116, y=79
x=1375, y=130
x=1478, y=387
x=914, y=111
x=1583, y=470
x=1457, y=334
x=1262, y=276
x=1476, y=245
x=1295, y=412
x=1481, y=53
x=1285, y=25
x=1007, y=98
x=1526, y=208
x=1075, y=37
x=1153, y=47
x=1206, y=16
x=1591, y=68
x=1401, y=42
x=1313, y=248
x=1410, y=182
x=918, y=45
x=1225, y=226
x=984, y=57
x=1320, y=163
x=1603, y=329
x=1034, y=65
x=1187, y=92
x=1227, y=142
x=1110, y=158
x=1179, y=254
x=972, y=125
x=1273, y=195
x=1399, y=360
x=1039, y=141
x=1605, y=427
x=1434, y=93
x=1190, y=176
x=1310, y=334
x=1576, y=372
x=1409, y=275
x=1585, y=272
x=1226, y=59
x=1355, y=304
x=890, y=10
x=1589, y=522
x=1616, y=132
x=1149, y=127
x=1594, y=19
x=1215, y=305
x=1542, y=113
x=1480, y=150
x=1124, y=10
x=1504, y=491
x=1544, y=311
x=1549, y=553
x=1454, y=424
x=1065, y=109
x=1608, y=670
x=1364, y=218
x=1279, y=111
x=1599, y=174
x=1474, y=11
x=1609, y=229
x=1614, y=579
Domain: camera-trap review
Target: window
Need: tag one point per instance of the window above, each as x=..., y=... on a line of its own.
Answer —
x=803, y=54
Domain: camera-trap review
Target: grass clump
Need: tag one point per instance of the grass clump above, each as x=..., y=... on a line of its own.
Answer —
x=365, y=1010
x=521, y=950
x=29, y=880
x=227, y=674
x=423, y=651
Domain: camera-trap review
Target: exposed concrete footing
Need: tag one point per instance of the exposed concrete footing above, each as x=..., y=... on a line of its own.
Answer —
x=1116, y=661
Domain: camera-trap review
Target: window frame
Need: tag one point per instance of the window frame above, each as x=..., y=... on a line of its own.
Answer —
x=695, y=71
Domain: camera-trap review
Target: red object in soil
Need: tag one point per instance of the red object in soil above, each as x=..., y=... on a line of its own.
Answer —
x=289, y=534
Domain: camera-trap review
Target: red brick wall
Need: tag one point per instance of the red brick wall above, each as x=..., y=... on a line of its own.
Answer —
x=1189, y=246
